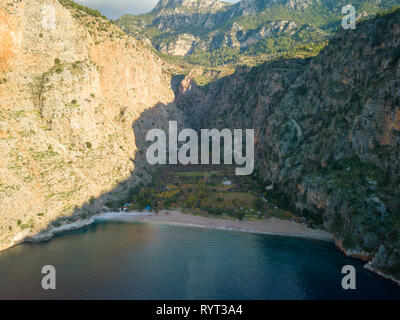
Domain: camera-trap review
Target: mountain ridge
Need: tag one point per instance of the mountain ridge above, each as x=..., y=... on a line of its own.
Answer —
x=246, y=28
x=191, y=4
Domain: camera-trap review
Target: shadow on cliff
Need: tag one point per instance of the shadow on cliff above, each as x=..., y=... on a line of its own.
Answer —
x=157, y=116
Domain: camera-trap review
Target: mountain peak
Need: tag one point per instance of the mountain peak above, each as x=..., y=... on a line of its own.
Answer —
x=194, y=4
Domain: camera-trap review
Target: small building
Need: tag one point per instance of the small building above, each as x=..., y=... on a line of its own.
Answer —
x=227, y=183
x=125, y=207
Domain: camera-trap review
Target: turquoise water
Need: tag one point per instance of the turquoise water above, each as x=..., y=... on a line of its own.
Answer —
x=142, y=261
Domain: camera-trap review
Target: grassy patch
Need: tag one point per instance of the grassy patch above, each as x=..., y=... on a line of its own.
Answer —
x=196, y=173
x=203, y=193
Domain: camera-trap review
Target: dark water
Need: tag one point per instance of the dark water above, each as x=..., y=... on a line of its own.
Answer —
x=141, y=261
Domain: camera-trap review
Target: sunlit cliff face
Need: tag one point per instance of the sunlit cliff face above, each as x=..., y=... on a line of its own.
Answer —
x=69, y=96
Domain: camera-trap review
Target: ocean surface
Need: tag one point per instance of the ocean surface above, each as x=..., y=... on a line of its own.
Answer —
x=118, y=260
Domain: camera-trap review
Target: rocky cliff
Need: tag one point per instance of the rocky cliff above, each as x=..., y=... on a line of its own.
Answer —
x=71, y=94
x=327, y=134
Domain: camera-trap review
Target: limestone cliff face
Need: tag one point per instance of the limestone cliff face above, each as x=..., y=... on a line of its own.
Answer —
x=181, y=46
x=70, y=98
x=327, y=134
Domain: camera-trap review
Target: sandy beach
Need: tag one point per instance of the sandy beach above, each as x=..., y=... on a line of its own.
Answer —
x=271, y=226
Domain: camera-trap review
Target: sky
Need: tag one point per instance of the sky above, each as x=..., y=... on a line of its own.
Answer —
x=115, y=8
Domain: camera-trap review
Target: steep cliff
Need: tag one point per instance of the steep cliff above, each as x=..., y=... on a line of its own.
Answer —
x=70, y=97
x=327, y=134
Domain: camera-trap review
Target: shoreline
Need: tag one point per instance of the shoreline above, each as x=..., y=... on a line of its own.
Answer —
x=272, y=226
x=370, y=267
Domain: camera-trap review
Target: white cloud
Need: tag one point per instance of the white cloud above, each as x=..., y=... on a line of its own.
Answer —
x=116, y=8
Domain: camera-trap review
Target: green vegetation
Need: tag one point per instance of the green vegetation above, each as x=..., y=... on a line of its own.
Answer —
x=43, y=155
x=214, y=58
x=391, y=12
x=81, y=8
x=306, y=50
x=286, y=43
x=28, y=225
x=350, y=172
x=196, y=173
x=73, y=104
x=203, y=193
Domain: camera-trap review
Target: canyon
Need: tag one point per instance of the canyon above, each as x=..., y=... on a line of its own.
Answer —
x=77, y=101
